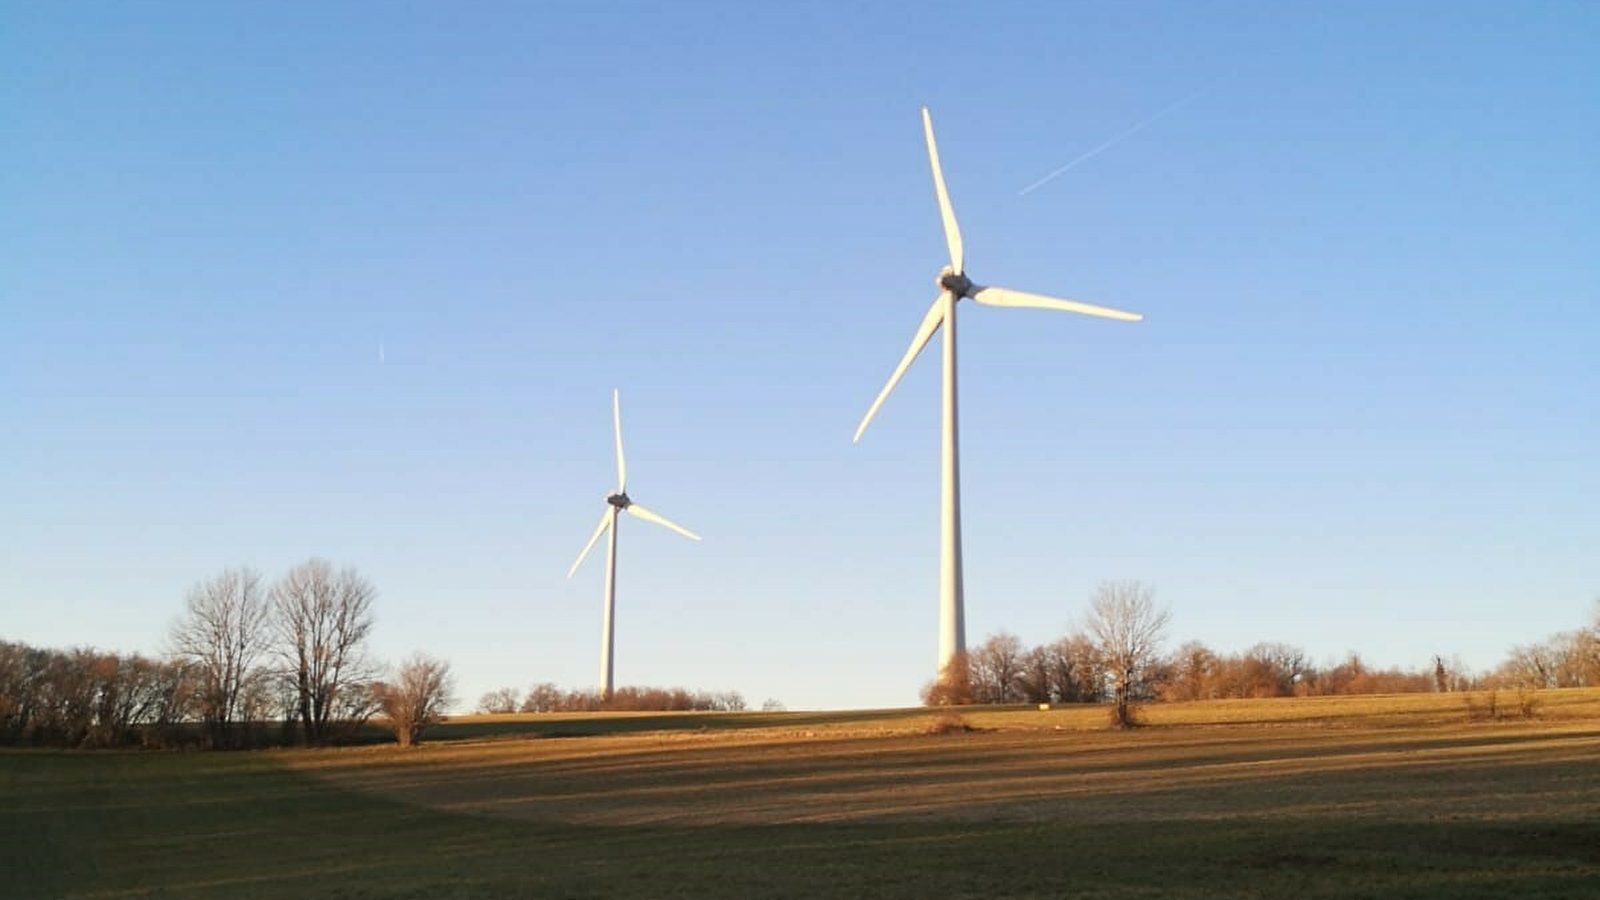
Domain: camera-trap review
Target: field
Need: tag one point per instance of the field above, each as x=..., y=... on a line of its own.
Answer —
x=1413, y=796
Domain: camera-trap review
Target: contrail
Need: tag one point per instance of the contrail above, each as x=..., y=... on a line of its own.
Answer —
x=1114, y=139
x=380, y=353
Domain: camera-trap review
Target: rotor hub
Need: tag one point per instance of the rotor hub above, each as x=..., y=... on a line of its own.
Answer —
x=960, y=285
x=619, y=500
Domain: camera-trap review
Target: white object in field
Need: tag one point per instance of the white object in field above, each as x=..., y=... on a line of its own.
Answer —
x=954, y=285
x=617, y=502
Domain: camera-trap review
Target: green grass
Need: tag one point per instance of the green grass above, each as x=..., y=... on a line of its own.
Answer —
x=1387, y=798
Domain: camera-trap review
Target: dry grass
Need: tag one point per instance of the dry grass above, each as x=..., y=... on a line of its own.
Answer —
x=1404, y=757
x=1400, y=710
x=1327, y=798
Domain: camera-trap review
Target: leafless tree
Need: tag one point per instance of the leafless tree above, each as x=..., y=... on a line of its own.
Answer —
x=1463, y=678
x=73, y=690
x=1194, y=667
x=953, y=686
x=633, y=698
x=86, y=698
x=996, y=667
x=1077, y=670
x=417, y=698
x=1033, y=683
x=542, y=697
x=1127, y=628
x=222, y=636
x=728, y=701
x=1592, y=646
x=127, y=694
x=504, y=700
x=1273, y=669
x=18, y=692
x=1530, y=666
x=322, y=619
x=1572, y=656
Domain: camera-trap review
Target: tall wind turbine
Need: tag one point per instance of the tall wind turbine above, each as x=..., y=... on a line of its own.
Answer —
x=618, y=502
x=954, y=286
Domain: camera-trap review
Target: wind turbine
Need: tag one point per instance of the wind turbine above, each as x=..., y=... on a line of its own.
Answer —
x=954, y=285
x=618, y=502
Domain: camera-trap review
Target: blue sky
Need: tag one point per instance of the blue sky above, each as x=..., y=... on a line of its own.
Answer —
x=1360, y=414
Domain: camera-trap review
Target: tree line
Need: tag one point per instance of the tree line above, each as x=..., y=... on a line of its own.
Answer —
x=548, y=698
x=242, y=654
x=1116, y=657
x=89, y=698
x=249, y=664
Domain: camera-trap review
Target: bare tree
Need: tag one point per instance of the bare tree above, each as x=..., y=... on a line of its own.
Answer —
x=1034, y=681
x=1530, y=666
x=417, y=698
x=996, y=668
x=18, y=691
x=953, y=686
x=1592, y=644
x=504, y=700
x=1194, y=667
x=542, y=697
x=1571, y=656
x=86, y=698
x=1463, y=678
x=1273, y=669
x=323, y=618
x=728, y=701
x=1077, y=671
x=127, y=693
x=1126, y=628
x=1591, y=658
x=222, y=636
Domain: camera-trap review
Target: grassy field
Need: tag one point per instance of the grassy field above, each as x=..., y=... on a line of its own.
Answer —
x=1336, y=797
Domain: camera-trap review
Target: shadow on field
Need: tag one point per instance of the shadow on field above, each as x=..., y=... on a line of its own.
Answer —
x=1037, y=777
x=826, y=805
x=239, y=826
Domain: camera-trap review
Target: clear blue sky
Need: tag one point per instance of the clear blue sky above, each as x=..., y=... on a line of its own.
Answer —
x=1361, y=413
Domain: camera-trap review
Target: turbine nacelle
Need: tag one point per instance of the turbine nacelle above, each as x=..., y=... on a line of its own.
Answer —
x=618, y=501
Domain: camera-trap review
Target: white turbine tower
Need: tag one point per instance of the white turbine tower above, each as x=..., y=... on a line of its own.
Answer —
x=954, y=285
x=618, y=502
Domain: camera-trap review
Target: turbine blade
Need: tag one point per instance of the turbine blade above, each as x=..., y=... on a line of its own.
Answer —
x=605, y=519
x=638, y=511
x=616, y=424
x=930, y=324
x=952, y=232
x=993, y=296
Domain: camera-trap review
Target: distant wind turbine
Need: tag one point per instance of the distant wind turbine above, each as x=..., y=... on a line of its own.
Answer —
x=954, y=285
x=618, y=502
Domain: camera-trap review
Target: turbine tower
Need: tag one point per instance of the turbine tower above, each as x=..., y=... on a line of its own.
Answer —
x=618, y=502
x=954, y=286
